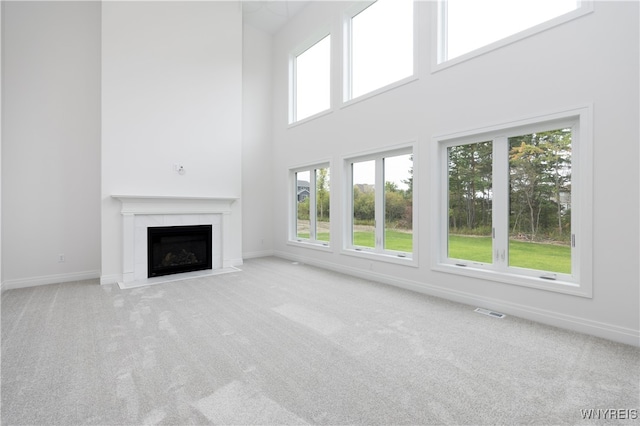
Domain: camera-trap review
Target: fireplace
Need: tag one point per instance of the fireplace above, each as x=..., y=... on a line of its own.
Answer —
x=177, y=249
x=140, y=212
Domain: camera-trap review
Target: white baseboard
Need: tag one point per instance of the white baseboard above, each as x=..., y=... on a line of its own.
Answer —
x=582, y=325
x=232, y=263
x=256, y=254
x=49, y=279
x=110, y=279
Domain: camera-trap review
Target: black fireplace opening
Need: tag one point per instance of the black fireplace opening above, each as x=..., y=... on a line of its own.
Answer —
x=176, y=249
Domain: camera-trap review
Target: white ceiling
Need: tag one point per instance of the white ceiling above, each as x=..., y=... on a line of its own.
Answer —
x=270, y=15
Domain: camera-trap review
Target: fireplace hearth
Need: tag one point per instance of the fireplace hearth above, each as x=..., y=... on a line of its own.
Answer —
x=177, y=249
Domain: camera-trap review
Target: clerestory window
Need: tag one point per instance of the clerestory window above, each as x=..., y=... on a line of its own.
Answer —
x=378, y=46
x=311, y=81
x=466, y=26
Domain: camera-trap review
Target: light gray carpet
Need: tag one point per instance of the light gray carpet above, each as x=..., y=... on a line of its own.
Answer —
x=280, y=343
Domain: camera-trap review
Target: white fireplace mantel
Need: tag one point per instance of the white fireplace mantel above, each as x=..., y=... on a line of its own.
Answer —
x=141, y=211
x=169, y=204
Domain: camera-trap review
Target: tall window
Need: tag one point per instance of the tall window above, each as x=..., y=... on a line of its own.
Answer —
x=311, y=80
x=467, y=25
x=510, y=202
x=311, y=198
x=380, y=47
x=381, y=203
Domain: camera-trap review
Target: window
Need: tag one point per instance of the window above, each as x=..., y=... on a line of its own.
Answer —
x=469, y=176
x=468, y=25
x=311, y=81
x=515, y=201
x=379, y=47
x=311, y=198
x=381, y=203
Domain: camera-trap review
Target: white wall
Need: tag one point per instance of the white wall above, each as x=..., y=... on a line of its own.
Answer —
x=591, y=60
x=171, y=94
x=1, y=103
x=50, y=142
x=257, y=145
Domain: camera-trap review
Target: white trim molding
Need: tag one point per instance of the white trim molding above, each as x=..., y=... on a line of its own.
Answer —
x=162, y=204
x=49, y=279
x=257, y=254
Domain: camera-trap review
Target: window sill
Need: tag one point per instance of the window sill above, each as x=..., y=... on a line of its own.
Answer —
x=405, y=260
x=310, y=118
x=557, y=286
x=310, y=245
x=379, y=91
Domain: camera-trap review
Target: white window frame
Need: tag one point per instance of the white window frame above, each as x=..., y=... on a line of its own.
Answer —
x=293, y=73
x=379, y=252
x=439, y=27
x=580, y=281
x=347, y=80
x=294, y=239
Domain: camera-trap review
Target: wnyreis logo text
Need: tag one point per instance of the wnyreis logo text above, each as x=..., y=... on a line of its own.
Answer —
x=609, y=414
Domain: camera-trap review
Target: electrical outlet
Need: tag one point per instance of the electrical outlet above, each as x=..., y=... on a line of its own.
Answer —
x=61, y=258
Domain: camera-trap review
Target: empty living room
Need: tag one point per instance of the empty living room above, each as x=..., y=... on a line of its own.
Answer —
x=385, y=212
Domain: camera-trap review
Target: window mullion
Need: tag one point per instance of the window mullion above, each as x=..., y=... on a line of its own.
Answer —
x=500, y=186
x=348, y=62
x=444, y=204
x=312, y=205
x=293, y=83
x=379, y=204
x=443, y=39
x=575, y=198
x=293, y=225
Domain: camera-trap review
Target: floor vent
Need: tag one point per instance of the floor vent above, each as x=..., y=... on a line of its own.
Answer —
x=490, y=313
